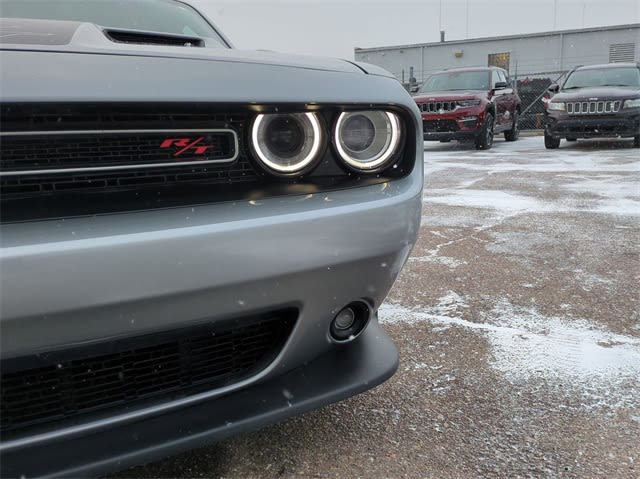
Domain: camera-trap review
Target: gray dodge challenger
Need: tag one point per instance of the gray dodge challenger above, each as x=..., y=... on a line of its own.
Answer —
x=195, y=239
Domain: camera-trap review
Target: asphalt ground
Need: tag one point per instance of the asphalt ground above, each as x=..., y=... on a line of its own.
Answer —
x=518, y=325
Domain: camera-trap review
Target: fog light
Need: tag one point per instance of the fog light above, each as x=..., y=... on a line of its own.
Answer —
x=349, y=322
x=345, y=319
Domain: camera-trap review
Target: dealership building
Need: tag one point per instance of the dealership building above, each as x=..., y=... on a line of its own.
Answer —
x=547, y=54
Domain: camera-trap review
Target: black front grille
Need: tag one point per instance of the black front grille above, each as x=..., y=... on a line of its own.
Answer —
x=60, y=161
x=65, y=160
x=104, y=150
x=440, y=126
x=119, y=374
x=52, y=183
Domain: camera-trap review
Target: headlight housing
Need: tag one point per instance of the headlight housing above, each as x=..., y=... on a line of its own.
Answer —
x=464, y=103
x=634, y=103
x=287, y=143
x=556, y=106
x=367, y=140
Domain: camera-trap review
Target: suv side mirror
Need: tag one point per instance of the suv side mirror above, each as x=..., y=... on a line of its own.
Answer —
x=500, y=85
x=554, y=88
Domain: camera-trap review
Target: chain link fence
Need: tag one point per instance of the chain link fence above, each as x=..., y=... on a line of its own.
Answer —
x=532, y=88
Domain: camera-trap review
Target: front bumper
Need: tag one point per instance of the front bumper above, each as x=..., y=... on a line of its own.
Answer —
x=451, y=126
x=371, y=360
x=83, y=280
x=622, y=125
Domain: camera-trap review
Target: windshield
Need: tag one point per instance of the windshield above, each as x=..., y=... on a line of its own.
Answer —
x=470, y=80
x=164, y=16
x=603, y=77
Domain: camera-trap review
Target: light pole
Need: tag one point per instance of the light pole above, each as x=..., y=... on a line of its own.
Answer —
x=467, y=17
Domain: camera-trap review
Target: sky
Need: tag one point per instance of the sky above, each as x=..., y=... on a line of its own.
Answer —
x=335, y=27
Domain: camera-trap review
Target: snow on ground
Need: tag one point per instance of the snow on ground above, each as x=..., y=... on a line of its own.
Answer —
x=583, y=169
x=573, y=354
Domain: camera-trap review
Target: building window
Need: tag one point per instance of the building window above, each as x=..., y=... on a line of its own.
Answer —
x=499, y=60
x=622, y=52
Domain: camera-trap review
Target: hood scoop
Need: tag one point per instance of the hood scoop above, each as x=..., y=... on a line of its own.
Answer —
x=152, y=38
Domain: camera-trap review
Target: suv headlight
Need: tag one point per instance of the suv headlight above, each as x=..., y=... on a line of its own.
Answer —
x=555, y=105
x=366, y=140
x=286, y=143
x=635, y=103
x=464, y=103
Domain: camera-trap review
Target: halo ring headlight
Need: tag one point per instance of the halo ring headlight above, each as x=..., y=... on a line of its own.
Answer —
x=367, y=140
x=286, y=143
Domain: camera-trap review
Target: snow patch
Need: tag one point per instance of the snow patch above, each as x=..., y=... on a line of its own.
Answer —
x=573, y=354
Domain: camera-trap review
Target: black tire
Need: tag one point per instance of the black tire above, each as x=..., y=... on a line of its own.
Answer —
x=636, y=141
x=514, y=133
x=570, y=138
x=550, y=142
x=484, y=141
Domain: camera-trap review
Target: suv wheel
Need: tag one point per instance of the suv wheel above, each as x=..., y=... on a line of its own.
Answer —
x=551, y=142
x=514, y=132
x=485, y=138
x=636, y=141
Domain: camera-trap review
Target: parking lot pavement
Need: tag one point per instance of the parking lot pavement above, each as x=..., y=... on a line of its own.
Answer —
x=517, y=319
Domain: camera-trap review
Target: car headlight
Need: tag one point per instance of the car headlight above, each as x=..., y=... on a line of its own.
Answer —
x=555, y=105
x=464, y=103
x=366, y=140
x=635, y=103
x=286, y=143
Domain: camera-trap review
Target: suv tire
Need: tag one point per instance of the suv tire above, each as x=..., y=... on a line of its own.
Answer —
x=550, y=142
x=484, y=141
x=636, y=141
x=514, y=133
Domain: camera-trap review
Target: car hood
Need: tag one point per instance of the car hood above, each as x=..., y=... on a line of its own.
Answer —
x=591, y=93
x=50, y=61
x=87, y=38
x=449, y=95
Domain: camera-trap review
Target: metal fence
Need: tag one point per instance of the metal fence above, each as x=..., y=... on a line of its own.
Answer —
x=532, y=89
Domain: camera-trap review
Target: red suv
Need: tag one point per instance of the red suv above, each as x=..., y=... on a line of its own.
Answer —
x=469, y=104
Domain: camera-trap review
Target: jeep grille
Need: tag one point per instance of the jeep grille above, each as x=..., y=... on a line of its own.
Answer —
x=593, y=107
x=437, y=106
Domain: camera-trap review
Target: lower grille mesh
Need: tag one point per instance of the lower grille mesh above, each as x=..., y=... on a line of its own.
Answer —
x=63, y=384
x=440, y=126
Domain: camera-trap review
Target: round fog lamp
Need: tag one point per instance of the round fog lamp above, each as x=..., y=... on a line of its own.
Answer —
x=349, y=323
x=345, y=319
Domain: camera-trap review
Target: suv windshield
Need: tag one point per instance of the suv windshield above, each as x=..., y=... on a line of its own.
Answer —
x=471, y=80
x=595, y=77
x=163, y=16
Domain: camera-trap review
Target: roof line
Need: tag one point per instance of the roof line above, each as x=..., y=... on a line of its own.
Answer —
x=506, y=37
